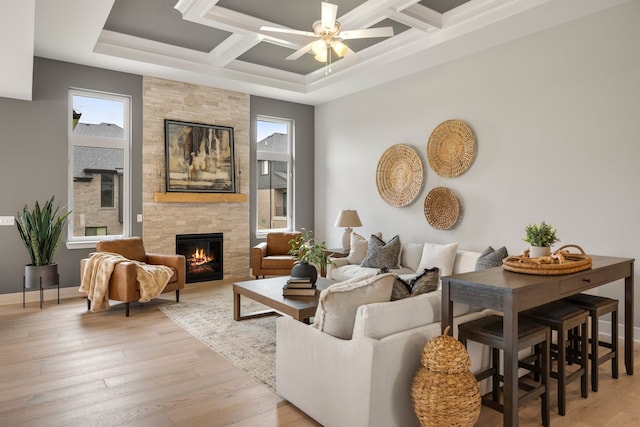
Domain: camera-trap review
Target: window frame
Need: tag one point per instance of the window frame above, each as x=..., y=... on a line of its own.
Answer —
x=74, y=140
x=281, y=157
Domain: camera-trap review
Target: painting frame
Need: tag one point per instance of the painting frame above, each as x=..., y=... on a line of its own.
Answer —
x=199, y=158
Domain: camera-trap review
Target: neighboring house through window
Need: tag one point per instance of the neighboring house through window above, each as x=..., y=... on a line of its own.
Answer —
x=99, y=141
x=274, y=167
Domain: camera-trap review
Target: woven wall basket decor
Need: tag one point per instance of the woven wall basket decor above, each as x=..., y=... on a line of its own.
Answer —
x=451, y=148
x=441, y=208
x=399, y=175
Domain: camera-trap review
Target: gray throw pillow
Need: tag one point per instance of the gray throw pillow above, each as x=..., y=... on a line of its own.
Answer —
x=426, y=282
x=491, y=258
x=381, y=254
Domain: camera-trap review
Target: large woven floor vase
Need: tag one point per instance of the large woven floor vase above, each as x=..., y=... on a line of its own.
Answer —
x=444, y=391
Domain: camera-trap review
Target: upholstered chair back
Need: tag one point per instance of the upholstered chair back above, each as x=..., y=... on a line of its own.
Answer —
x=278, y=242
x=130, y=247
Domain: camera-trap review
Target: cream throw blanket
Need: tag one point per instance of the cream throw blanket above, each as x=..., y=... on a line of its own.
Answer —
x=152, y=279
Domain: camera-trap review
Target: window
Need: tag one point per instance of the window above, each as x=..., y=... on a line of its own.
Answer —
x=106, y=190
x=95, y=231
x=99, y=146
x=274, y=169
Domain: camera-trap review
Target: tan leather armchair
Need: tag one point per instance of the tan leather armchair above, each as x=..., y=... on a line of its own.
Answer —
x=123, y=285
x=271, y=257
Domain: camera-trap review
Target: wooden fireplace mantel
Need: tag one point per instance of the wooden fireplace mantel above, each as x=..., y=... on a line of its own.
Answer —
x=199, y=197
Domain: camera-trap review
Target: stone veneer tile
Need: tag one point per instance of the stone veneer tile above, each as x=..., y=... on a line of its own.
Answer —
x=165, y=99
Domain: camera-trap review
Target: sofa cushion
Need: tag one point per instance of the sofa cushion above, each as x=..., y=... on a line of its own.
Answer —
x=379, y=320
x=441, y=256
x=338, y=303
x=277, y=262
x=411, y=255
x=381, y=254
x=426, y=282
x=491, y=258
x=359, y=247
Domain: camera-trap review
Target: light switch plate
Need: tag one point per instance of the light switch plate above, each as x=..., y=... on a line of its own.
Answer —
x=7, y=220
x=139, y=217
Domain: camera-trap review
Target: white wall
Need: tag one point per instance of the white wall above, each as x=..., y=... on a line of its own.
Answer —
x=556, y=117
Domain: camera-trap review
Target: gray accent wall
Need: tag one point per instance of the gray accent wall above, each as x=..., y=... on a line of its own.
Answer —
x=33, y=157
x=555, y=116
x=303, y=191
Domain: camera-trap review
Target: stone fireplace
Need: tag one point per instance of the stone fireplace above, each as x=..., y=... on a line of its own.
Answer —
x=204, y=256
x=195, y=213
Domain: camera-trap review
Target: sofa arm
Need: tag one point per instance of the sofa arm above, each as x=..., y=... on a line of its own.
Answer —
x=123, y=285
x=326, y=377
x=176, y=262
x=337, y=262
x=258, y=252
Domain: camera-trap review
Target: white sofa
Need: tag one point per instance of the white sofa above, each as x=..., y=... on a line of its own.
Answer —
x=366, y=381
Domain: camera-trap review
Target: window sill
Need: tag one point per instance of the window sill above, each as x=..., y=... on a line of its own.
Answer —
x=85, y=244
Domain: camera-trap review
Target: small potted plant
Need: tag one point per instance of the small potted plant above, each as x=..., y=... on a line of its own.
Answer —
x=41, y=231
x=540, y=238
x=309, y=254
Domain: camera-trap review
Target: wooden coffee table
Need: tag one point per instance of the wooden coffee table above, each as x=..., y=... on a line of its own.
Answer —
x=269, y=293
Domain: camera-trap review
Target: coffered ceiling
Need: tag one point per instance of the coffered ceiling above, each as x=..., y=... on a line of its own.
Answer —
x=220, y=43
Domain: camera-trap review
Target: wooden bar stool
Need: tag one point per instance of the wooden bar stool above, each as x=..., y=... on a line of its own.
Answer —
x=598, y=306
x=489, y=331
x=564, y=318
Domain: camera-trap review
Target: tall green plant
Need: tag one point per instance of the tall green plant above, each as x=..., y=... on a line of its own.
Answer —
x=41, y=230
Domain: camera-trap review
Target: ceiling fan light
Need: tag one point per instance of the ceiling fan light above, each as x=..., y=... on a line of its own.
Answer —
x=319, y=47
x=321, y=57
x=339, y=48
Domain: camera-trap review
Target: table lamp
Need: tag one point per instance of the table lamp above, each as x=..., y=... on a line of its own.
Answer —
x=347, y=218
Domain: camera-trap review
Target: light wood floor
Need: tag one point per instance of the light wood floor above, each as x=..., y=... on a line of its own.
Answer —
x=64, y=366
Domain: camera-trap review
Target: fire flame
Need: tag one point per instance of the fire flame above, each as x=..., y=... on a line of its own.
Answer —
x=199, y=257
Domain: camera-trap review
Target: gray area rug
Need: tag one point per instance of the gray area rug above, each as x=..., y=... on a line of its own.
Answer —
x=248, y=344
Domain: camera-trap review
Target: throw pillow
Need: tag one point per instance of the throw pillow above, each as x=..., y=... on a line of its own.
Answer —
x=400, y=290
x=441, y=256
x=359, y=247
x=424, y=283
x=381, y=254
x=491, y=258
x=338, y=304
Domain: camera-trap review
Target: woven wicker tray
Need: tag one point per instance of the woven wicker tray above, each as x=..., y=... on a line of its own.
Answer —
x=561, y=261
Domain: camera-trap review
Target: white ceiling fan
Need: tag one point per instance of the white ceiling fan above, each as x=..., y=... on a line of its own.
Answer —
x=329, y=35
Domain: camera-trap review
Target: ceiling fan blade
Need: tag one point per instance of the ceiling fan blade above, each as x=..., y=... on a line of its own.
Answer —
x=367, y=33
x=287, y=31
x=298, y=53
x=329, y=13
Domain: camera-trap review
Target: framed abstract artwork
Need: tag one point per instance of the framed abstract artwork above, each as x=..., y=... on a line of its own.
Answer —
x=199, y=157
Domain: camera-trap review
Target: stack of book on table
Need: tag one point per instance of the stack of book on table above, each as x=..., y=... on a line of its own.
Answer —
x=299, y=286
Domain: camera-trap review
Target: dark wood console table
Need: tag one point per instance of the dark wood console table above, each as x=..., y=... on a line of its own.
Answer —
x=512, y=293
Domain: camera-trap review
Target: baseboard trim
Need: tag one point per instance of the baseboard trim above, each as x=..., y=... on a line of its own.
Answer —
x=50, y=295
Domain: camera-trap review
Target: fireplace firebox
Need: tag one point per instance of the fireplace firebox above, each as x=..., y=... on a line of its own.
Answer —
x=203, y=254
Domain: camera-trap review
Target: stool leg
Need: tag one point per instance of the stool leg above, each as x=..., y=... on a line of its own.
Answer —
x=562, y=373
x=546, y=367
x=595, y=337
x=584, y=362
x=495, y=380
x=614, y=343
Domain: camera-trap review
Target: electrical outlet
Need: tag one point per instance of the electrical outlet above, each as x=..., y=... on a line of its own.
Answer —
x=7, y=220
x=139, y=217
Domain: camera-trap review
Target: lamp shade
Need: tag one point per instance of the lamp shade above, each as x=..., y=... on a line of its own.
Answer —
x=348, y=218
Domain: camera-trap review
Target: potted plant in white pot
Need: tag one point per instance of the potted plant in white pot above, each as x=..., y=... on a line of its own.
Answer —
x=41, y=231
x=308, y=254
x=540, y=238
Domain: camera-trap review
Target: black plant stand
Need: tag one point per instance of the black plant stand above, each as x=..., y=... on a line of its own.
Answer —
x=42, y=288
